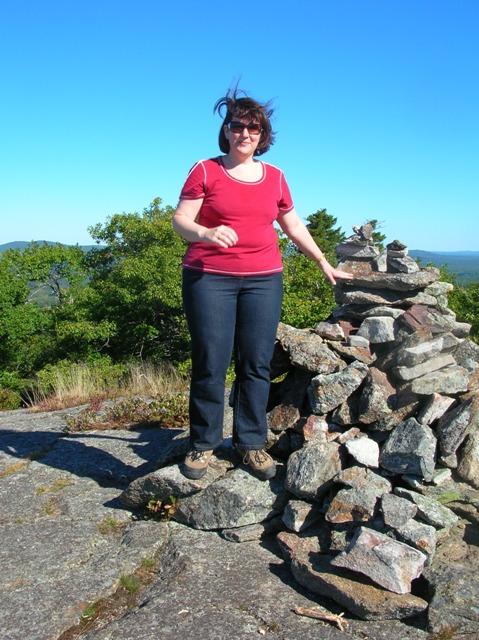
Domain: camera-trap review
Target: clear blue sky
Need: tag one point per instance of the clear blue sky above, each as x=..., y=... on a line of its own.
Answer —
x=105, y=104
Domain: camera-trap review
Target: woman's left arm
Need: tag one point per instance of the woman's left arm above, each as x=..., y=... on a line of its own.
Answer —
x=296, y=230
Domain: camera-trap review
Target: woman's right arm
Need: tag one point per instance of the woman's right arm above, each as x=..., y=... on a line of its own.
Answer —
x=184, y=223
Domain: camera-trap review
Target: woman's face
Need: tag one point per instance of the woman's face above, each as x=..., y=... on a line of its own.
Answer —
x=245, y=141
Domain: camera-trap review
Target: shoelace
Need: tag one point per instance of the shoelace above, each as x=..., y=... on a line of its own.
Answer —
x=198, y=455
x=256, y=455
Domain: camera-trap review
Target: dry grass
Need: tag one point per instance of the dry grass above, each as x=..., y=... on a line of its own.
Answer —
x=82, y=384
x=152, y=380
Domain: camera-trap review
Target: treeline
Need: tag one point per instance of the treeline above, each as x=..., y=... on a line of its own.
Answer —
x=120, y=302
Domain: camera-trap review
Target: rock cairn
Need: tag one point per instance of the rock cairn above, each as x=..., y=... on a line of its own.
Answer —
x=373, y=407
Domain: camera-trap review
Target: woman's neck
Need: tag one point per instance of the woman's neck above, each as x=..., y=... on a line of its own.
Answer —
x=231, y=161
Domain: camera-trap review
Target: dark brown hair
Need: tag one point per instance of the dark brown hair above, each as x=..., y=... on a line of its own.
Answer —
x=247, y=108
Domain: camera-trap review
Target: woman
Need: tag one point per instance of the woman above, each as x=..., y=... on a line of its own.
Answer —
x=232, y=281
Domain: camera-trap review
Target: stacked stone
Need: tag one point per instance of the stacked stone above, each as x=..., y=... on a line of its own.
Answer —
x=390, y=402
x=375, y=407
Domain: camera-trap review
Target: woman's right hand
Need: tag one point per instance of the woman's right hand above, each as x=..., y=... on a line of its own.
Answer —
x=223, y=236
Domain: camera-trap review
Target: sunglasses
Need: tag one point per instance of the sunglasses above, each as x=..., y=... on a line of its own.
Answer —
x=239, y=127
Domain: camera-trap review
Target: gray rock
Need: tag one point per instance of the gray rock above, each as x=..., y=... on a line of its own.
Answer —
x=360, y=312
x=419, y=353
x=358, y=341
x=467, y=355
x=359, y=250
x=450, y=380
x=253, y=531
x=439, y=288
x=433, y=364
x=397, y=511
x=391, y=564
x=169, y=481
x=299, y=515
x=454, y=425
x=306, y=350
x=410, y=449
x=375, y=400
x=403, y=282
x=454, y=587
x=419, y=535
x=429, y=509
x=310, y=470
x=356, y=295
x=236, y=500
x=468, y=467
x=326, y=392
x=402, y=264
x=377, y=329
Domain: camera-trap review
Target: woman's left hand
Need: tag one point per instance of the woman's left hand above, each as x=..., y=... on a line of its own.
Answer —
x=333, y=274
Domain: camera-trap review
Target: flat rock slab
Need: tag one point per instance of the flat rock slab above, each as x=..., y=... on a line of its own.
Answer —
x=246, y=592
x=67, y=539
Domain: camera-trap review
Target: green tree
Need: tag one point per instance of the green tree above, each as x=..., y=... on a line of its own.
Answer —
x=464, y=301
x=308, y=297
x=135, y=285
x=321, y=225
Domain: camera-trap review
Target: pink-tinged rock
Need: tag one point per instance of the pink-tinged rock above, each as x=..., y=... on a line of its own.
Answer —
x=391, y=564
x=351, y=505
x=314, y=428
x=359, y=596
x=350, y=434
x=329, y=331
x=349, y=352
x=282, y=417
x=435, y=408
x=421, y=315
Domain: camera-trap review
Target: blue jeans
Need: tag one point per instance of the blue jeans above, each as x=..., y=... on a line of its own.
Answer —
x=226, y=315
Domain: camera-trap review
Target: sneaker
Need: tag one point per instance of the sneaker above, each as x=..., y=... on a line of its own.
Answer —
x=260, y=463
x=196, y=464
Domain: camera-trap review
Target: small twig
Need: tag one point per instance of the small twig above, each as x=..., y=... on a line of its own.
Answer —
x=321, y=614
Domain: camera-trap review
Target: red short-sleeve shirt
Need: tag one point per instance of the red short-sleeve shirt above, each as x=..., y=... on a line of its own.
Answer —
x=250, y=208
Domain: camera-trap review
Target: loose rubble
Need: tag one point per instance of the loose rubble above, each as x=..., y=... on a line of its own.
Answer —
x=375, y=408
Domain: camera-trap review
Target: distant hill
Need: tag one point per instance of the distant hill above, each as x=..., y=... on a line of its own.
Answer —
x=463, y=264
x=20, y=244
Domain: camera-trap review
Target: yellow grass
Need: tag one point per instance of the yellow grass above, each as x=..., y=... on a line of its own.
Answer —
x=82, y=384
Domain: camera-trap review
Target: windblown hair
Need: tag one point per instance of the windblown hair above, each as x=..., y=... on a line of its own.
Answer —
x=247, y=108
